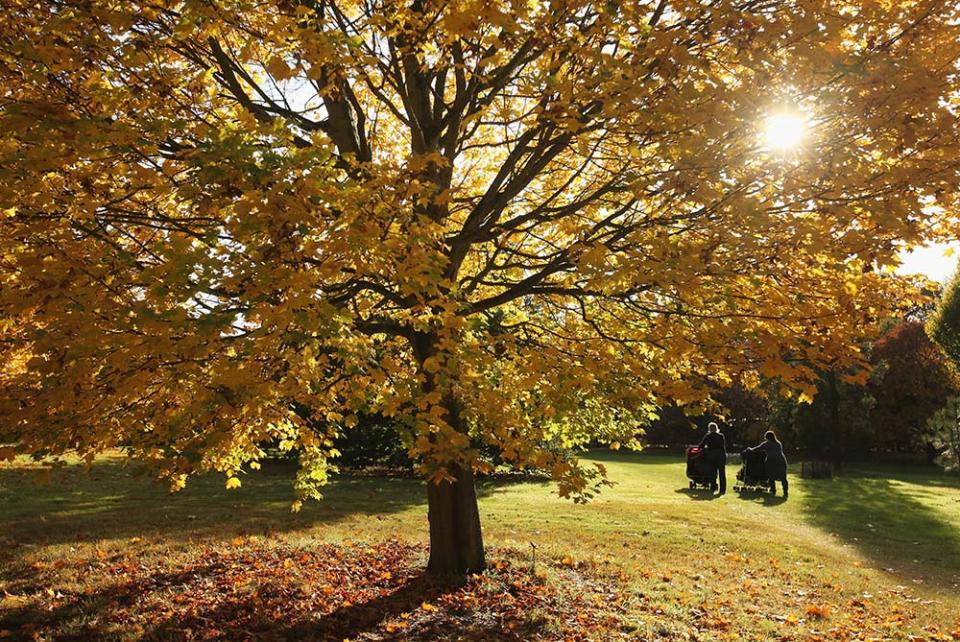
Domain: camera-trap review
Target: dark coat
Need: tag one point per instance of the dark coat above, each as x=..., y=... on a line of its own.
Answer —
x=776, y=460
x=716, y=446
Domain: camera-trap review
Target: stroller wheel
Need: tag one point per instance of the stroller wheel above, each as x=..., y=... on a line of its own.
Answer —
x=693, y=484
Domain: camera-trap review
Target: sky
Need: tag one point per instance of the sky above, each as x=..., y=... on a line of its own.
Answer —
x=931, y=261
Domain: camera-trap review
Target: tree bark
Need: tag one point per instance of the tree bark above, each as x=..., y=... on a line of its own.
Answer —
x=456, y=543
x=836, y=428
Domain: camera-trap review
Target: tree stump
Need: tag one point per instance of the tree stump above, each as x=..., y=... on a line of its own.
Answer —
x=816, y=470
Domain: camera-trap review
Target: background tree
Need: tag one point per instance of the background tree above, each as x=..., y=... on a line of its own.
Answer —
x=835, y=424
x=230, y=224
x=740, y=411
x=912, y=381
x=943, y=325
x=944, y=431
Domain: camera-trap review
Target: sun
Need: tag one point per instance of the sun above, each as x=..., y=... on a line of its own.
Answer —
x=784, y=131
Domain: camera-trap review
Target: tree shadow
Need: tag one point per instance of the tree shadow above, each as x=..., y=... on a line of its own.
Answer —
x=115, y=501
x=201, y=602
x=887, y=523
x=929, y=476
x=359, y=621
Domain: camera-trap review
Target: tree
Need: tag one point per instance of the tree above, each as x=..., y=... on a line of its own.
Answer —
x=740, y=412
x=944, y=427
x=943, y=325
x=833, y=424
x=228, y=224
x=912, y=381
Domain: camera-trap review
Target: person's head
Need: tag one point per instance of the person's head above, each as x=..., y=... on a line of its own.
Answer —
x=713, y=427
x=770, y=436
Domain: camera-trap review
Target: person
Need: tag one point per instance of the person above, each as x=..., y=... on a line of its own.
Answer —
x=715, y=446
x=776, y=462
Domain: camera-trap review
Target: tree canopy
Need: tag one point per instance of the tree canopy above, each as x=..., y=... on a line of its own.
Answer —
x=518, y=224
x=943, y=326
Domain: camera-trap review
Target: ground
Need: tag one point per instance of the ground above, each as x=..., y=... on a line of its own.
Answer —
x=872, y=554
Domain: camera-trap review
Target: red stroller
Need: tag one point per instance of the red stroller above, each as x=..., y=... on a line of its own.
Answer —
x=700, y=471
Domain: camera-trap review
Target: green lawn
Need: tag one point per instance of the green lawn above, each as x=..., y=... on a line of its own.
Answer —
x=873, y=553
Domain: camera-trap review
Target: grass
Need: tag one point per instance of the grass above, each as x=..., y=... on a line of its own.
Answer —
x=874, y=553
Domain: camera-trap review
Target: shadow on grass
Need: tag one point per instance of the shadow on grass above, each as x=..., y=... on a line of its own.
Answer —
x=761, y=497
x=111, y=613
x=887, y=522
x=699, y=494
x=111, y=501
x=927, y=476
x=325, y=593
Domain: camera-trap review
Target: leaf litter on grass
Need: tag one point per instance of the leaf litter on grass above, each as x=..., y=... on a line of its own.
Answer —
x=252, y=588
x=254, y=591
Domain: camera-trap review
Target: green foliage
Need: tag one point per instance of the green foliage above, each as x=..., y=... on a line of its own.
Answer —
x=944, y=432
x=944, y=324
x=312, y=475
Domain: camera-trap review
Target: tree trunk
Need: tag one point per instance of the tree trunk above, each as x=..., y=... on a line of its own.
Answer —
x=955, y=440
x=836, y=428
x=456, y=544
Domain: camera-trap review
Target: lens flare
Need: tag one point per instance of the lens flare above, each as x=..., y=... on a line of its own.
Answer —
x=784, y=131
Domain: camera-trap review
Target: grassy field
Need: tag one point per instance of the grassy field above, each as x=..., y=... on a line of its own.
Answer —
x=871, y=554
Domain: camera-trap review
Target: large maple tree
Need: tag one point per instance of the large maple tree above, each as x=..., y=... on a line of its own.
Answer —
x=508, y=224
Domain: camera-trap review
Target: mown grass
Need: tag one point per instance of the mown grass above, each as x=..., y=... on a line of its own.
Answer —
x=875, y=550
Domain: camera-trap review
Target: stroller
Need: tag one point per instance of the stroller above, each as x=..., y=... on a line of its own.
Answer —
x=752, y=475
x=700, y=472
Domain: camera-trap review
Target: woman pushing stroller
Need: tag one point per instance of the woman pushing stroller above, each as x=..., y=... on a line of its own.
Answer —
x=776, y=462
